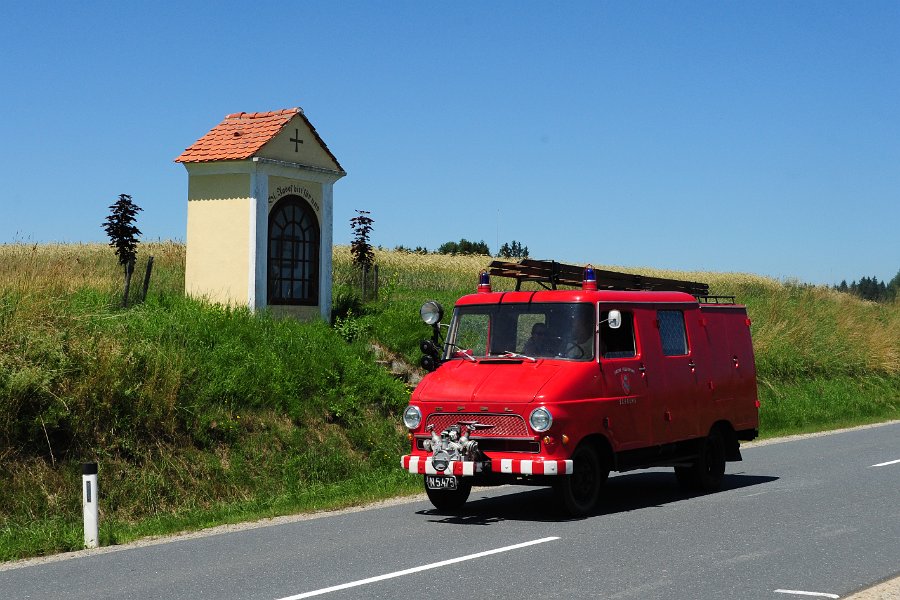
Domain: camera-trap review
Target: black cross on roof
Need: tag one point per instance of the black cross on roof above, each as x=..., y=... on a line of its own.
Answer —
x=297, y=141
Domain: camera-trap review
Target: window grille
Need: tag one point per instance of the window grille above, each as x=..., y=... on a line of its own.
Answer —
x=293, y=262
x=671, y=332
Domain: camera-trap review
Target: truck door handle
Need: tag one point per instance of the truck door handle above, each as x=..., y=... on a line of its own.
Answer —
x=693, y=366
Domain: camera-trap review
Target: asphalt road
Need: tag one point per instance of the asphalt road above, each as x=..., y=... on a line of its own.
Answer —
x=819, y=515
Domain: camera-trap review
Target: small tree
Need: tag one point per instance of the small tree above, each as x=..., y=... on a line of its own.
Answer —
x=360, y=248
x=122, y=232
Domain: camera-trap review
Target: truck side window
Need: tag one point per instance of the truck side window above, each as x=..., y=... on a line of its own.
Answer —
x=671, y=332
x=617, y=343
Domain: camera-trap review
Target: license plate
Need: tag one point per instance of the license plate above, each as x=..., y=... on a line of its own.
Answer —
x=434, y=482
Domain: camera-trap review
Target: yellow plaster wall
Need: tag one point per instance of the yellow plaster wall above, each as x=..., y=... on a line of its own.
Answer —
x=310, y=152
x=218, y=231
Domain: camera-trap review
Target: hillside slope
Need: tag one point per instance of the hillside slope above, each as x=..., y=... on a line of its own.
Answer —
x=199, y=414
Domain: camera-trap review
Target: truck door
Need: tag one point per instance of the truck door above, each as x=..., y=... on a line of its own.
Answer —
x=744, y=413
x=625, y=386
x=674, y=412
x=732, y=378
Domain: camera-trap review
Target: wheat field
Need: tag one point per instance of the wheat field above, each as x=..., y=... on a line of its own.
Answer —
x=793, y=323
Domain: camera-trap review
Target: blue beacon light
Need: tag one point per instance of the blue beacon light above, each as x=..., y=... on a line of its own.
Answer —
x=590, y=279
x=484, y=283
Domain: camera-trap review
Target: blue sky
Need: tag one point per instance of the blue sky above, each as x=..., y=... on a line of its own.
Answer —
x=729, y=136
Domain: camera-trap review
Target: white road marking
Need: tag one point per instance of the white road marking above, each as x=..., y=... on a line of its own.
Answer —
x=436, y=565
x=802, y=593
x=884, y=464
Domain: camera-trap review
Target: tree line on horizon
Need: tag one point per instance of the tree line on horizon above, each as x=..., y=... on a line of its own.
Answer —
x=513, y=249
x=869, y=288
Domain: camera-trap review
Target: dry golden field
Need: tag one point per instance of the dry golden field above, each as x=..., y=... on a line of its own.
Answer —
x=793, y=323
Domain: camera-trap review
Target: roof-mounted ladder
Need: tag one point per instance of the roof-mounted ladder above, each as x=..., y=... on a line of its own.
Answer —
x=549, y=274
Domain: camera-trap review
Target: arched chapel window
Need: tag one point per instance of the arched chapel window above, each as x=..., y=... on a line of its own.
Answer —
x=293, y=264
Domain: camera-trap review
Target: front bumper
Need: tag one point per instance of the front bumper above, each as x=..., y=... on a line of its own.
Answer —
x=419, y=465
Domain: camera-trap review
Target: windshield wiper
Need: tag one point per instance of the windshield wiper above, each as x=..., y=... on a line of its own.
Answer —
x=510, y=354
x=461, y=353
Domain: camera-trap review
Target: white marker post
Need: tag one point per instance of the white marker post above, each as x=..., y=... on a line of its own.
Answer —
x=89, y=502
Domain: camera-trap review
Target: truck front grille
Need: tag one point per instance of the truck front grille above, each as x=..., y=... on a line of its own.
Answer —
x=503, y=425
x=497, y=445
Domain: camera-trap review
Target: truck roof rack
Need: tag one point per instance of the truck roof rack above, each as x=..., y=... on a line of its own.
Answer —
x=716, y=300
x=549, y=274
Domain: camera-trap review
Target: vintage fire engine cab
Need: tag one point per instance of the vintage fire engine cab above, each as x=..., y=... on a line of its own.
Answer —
x=561, y=386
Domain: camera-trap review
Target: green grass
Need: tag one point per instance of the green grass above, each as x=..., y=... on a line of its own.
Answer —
x=201, y=415
x=197, y=414
x=822, y=403
x=59, y=532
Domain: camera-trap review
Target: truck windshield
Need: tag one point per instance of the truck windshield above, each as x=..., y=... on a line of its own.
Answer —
x=553, y=330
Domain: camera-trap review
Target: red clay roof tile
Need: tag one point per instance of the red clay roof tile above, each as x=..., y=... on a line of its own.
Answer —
x=241, y=135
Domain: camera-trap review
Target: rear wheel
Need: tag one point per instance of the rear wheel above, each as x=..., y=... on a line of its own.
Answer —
x=450, y=500
x=579, y=492
x=708, y=470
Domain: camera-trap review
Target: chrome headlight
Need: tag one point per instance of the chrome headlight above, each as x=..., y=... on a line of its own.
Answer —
x=412, y=417
x=431, y=312
x=540, y=419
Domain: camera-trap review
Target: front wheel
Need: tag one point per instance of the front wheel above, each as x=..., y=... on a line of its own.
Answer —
x=450, y=500
x=579, y=492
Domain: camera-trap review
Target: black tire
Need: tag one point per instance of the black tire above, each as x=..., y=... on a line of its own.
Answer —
x=579, y=493
x=450, y=500
x=685, y=477
x=708, y=470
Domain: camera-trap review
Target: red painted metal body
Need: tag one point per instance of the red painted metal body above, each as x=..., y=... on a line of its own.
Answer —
x=648, y=401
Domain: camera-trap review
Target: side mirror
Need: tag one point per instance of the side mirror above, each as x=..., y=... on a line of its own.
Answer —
x=614, y=320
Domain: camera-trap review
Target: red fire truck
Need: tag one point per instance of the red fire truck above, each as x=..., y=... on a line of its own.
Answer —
x=559, y=386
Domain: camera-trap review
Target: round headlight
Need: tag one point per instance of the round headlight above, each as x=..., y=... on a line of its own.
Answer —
x=412, y=417
x=540, y=419
x=432, y=312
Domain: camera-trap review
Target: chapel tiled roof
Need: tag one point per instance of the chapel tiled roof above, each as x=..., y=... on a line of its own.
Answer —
x=241, y=135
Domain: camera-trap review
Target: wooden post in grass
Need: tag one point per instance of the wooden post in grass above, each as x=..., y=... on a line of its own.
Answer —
x=147, y=278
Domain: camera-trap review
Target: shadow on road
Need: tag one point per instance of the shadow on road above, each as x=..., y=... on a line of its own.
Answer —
x=623, y=493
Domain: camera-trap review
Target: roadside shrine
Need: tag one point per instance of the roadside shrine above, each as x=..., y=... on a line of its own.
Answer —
x=260, y=214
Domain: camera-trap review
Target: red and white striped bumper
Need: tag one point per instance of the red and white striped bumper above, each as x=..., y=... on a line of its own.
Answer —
x=513, y=466
x=418, y=465
x=535, y=467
